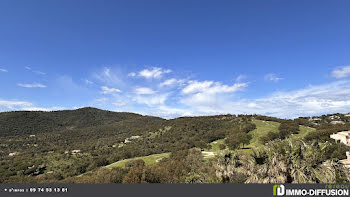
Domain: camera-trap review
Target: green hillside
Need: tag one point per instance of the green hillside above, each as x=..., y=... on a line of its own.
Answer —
x=109, y=146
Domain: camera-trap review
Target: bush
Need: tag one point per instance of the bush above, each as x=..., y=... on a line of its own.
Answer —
x=269, y=137
x=222, y=146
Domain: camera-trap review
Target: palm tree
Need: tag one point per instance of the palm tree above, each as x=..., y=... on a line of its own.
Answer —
x=283, y=161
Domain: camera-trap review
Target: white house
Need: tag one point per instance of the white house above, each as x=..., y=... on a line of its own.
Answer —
x=343, y=137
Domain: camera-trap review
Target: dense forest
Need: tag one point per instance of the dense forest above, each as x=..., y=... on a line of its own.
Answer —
x=89, y=145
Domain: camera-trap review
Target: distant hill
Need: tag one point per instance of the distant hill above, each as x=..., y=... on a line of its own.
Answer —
x=34, y=122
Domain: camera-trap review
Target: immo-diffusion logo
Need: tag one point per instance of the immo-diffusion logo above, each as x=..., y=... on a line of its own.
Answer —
x=329, y=190
x=278, y=190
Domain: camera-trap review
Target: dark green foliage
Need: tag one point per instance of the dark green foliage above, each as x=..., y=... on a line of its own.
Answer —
x=268, y=118
x=269, y=137
x=288, y=127
x=222, y=146
x=19, y=123
x=304, y=121
x=135, y=174
x=235, y=140
x=336, y=151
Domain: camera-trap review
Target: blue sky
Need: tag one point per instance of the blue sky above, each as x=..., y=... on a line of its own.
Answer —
x=176, y=58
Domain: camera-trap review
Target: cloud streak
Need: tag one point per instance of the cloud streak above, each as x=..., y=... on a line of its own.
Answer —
x=107, y=90
x=144, y=90
x=31, y=85
x=272, y=77
x=152, y=73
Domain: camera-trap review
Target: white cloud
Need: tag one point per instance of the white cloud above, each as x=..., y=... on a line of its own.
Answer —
x=208, y=96
x=313, y=100
x=144, y=90
x=171, y=81
x=28, y=68
x=211, y=87
x=341, y=72
x=107, y=90
x=8, y=105
x=3, y=70
x=31, y=85
x=155, y=72
x=272, y=77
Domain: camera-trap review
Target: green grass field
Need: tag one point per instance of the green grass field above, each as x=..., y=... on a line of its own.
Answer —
x=150, y=159
x=262, y=128
x=303, y=132
x=215, y=146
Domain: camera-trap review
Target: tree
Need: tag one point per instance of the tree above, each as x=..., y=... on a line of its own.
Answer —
x=235, y=140
x=135, y=175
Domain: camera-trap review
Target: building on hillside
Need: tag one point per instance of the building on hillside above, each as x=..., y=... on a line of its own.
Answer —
x=346, y=162
x=337, y=122
x=343, y=137
x=334, y=117
x=76, y=152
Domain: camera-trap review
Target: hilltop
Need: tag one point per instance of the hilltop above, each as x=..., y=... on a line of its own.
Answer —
x=34, y=122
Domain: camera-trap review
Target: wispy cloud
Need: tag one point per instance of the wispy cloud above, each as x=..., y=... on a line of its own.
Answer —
x=110, y=77
x=34, y=71
x=152, y=73
x=132, y=74
x=119, y=103
x=241, y=78
x=107, y=90
x=211, y=87
x=31, y=85
x=39, y=72
x=144, y=90
x=88, y=82
x=272, y=77
x=3, y=70
x=341, y=72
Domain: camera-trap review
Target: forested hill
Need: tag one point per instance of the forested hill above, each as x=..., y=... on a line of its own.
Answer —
x=89, y=145
x=34, y=122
